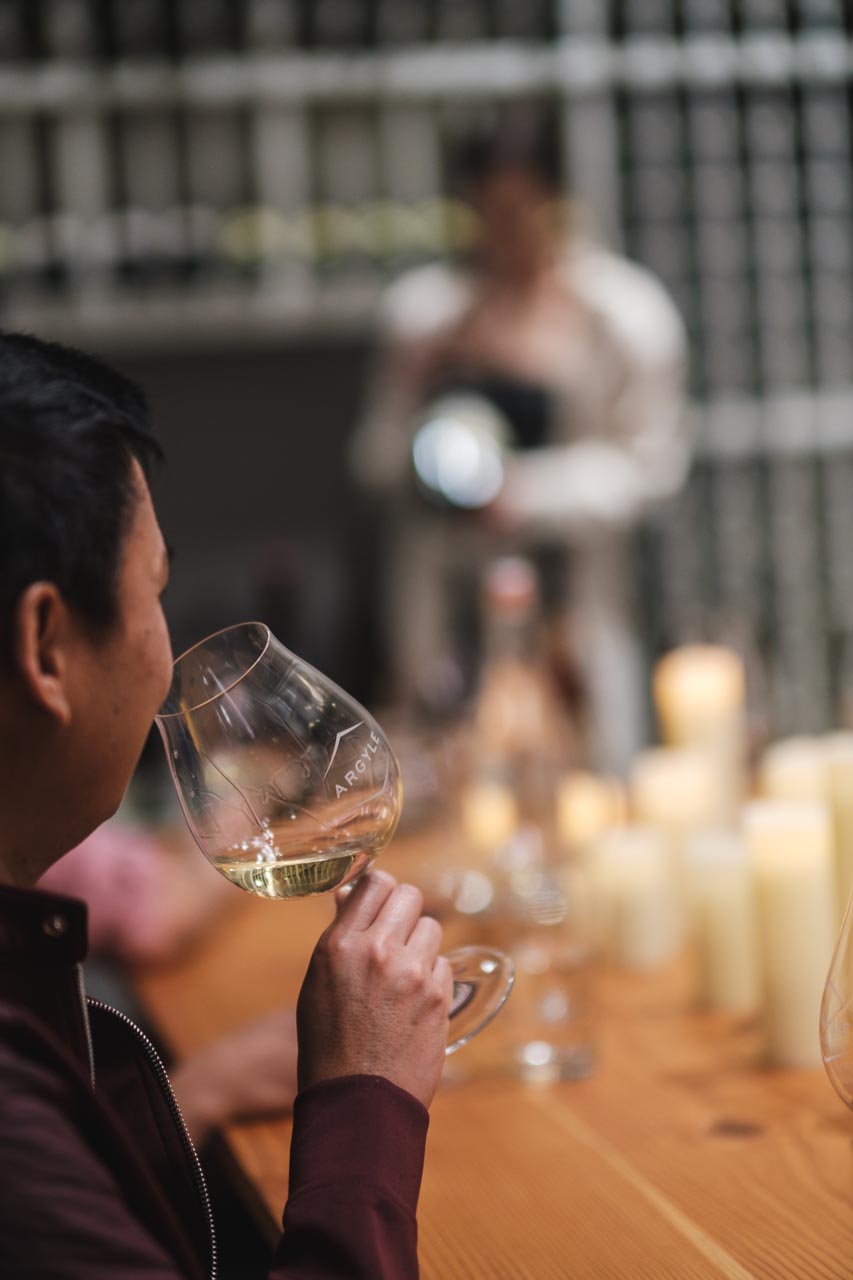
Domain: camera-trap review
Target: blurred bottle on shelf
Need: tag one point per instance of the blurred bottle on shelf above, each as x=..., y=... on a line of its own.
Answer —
x=461, y=20
x=130, y=30
x=147, y=188
x=766, y=15
x=221, y=183
x=208, y=27
x=401, y=22
x=273, y=25
x=523, y=19
x=339, y=24
x=522, y=747
x=48, y=229
x=706, y=15
x=68, y=30
x=13, y=33
x=23, y=246
x=345, y=228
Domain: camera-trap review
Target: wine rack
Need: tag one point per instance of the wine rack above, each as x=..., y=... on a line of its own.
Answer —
x=196, y=170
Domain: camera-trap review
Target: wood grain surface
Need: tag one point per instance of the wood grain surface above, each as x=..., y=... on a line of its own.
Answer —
x=679, y=1157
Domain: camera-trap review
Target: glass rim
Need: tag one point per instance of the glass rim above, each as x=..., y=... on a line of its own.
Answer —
x=237, y=626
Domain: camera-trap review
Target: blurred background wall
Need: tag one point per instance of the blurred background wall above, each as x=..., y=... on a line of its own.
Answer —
x=213, y=194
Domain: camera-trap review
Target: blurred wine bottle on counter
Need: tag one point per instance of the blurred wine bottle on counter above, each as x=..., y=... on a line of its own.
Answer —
x=523, y=746
x=524, y=739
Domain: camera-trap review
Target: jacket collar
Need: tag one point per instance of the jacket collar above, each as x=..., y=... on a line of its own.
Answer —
x=41, y=928
x=42, y=942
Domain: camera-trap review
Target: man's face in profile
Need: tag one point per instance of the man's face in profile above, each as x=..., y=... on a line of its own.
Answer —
x=119, y=680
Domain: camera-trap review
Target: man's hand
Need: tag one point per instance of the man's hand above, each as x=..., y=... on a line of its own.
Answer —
x=376, y=996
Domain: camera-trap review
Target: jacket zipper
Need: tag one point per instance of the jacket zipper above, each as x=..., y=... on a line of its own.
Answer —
x=81, y=989
x=166, y=1087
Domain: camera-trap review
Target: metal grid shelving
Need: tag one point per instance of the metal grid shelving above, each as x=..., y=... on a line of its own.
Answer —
x=238, y=172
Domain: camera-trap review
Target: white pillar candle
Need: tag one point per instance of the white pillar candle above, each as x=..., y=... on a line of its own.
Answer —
x=633, y=916
x=789, y=849
x=720, y=897
x=839, y=788
x=794, y=769
x=676, y=790
x=699, y=695
x=587, y=806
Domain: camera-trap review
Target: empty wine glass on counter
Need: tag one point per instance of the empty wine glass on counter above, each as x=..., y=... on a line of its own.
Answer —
x=291, y=788
x=836, y=1014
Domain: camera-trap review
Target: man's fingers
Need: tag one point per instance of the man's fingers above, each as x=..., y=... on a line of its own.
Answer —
x=443, y=972
x=341, y=896
x=359, y=908
x=425, y=940
x=399, y=913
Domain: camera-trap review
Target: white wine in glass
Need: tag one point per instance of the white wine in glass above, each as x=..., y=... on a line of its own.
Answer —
x=290, y=787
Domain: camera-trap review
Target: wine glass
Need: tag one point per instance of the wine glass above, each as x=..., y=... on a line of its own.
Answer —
x=836, y=1013
x=290, y=787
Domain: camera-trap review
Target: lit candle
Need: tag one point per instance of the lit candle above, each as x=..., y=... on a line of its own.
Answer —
x=633, y=910
x=699, y=694
x=721, y=903
x=794, y=769
x=587, y=806
x=489, y=816
x=790, y=852
x=839, y=788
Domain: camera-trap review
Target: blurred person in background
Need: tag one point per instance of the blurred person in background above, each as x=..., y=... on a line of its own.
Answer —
x=99, y=1175
x=582, y=356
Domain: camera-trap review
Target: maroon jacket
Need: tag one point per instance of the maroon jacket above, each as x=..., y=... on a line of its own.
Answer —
x=98, y=1177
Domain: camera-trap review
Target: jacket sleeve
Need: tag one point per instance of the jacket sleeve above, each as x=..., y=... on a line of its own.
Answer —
x=356, y=1161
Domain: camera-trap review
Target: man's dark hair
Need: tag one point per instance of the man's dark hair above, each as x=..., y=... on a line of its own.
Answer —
x=522, y=136
x=69, y=427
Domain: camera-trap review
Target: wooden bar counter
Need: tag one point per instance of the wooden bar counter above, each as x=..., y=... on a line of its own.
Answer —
x=679, y=1157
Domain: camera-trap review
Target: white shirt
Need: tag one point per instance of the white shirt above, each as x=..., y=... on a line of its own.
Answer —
x=619, y=441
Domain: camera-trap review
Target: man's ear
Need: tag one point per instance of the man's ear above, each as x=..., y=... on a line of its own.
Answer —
x=40, y=648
